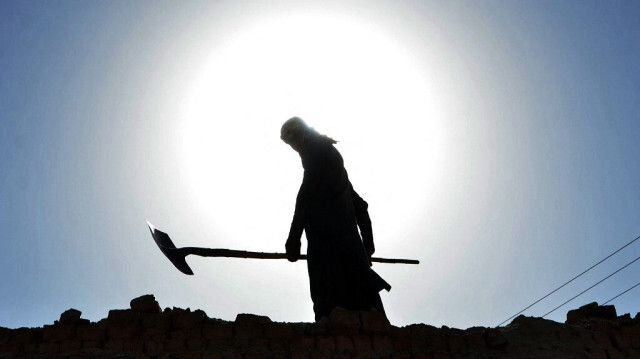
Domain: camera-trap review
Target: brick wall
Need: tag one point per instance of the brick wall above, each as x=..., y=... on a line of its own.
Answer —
x=144, y=331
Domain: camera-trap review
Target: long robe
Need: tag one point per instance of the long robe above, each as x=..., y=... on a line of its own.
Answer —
x=330, y=211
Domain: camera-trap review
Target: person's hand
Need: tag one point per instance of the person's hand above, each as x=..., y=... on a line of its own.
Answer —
x=370, y=249
x=293, y=250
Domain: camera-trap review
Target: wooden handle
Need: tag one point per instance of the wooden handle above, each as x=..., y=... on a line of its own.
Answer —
x=231, y=253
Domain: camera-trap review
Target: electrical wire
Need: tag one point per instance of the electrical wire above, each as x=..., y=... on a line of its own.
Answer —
x=620, y=294
x=584, y=291
x=571, y=280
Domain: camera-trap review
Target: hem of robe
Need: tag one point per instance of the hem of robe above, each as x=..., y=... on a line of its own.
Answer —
x=377, y=281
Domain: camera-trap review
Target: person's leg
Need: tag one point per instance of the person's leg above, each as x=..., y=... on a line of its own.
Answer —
x=376, y=303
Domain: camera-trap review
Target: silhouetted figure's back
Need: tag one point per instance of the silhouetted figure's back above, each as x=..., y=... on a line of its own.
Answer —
x=330, y=212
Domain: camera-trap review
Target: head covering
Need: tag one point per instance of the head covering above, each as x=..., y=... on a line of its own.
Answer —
x=295, y=129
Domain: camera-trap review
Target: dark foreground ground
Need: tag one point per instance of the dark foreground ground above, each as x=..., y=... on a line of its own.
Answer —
x=145, y=331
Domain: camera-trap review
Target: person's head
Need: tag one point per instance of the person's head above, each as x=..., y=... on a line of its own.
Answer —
x=295, y=133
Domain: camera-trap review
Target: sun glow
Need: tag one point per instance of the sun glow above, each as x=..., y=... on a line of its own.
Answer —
x=344, y=77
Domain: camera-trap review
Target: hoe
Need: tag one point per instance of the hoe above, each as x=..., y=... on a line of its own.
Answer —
x=177, y=256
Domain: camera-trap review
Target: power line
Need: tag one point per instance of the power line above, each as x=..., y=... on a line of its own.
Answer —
x=572, y=279
x=602, y=280
x=620, y=294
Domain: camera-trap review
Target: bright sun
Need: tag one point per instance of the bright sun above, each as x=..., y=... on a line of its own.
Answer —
x=344, y=77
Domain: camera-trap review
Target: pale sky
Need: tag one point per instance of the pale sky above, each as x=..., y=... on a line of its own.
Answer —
x=495, y=141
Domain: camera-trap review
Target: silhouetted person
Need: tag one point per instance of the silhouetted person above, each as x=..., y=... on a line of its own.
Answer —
x=330, y=212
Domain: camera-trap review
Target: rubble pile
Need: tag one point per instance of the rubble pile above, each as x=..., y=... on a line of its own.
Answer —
x=147, y=331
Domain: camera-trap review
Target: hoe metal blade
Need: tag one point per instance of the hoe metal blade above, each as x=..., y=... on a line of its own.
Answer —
x=169, y=250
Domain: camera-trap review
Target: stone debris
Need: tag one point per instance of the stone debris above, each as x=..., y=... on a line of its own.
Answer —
x=70, y=316
x=145, y=304
x=144, y=331
x=591, y=311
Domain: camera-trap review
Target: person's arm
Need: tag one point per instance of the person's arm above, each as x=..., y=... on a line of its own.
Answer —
x=312, y=163
x=364, y=222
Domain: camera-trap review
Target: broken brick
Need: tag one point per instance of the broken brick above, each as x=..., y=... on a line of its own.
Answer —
x=361, y=343
x=344, y=344
x=382, y=343
x=325, y=343
x=342, y=321
x=374, y=322
x=70, y=345
x=122, y=331
x=92, y=331
x=58, y=331
x=145, y=304
x=217, y=330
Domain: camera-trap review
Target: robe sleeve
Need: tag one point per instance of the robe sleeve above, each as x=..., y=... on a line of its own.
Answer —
x=312, y=163
x=364, y=221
